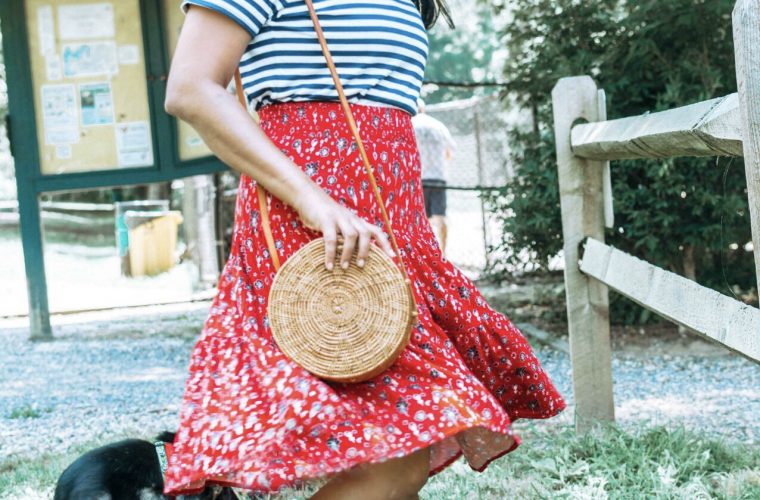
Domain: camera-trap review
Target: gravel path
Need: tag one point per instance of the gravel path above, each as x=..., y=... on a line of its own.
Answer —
x=119, y=374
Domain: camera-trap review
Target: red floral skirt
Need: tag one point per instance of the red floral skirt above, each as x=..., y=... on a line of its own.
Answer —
x=251, y=418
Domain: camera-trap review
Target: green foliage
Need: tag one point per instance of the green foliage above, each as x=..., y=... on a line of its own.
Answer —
x=682, y=214
x=464, y=54
x=528, y=207
x=27, y=412
x=614, y=463
x=3, y=86
x=549, y=39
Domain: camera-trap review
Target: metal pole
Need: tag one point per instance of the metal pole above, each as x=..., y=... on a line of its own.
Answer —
x=476, y=117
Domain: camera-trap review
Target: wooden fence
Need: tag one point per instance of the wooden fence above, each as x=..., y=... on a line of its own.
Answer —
x=728, y=126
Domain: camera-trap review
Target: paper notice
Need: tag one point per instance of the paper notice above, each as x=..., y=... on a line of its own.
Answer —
x=53, y=67
x=89, y=59
x=46, y=30
x=63, y=152
x=86, y=21
x=96, y=104
x=59, y=114
x=133, y=144
x=129, y=54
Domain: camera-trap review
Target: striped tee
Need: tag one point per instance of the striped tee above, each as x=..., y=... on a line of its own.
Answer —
x=379, y=46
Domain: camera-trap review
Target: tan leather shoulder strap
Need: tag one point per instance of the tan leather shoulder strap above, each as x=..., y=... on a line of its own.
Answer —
x=354, y=131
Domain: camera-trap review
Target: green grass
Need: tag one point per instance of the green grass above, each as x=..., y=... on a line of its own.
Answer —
x=654, y=463
x=552, y=463
x=27, y=411
x=33, y=479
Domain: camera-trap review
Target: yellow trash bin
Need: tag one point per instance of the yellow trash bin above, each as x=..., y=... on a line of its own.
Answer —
x=152, y=241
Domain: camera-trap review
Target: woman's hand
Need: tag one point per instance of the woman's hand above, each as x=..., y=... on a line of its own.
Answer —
x=321, y=213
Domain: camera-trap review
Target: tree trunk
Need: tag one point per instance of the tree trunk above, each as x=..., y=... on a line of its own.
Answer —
x=157, y=191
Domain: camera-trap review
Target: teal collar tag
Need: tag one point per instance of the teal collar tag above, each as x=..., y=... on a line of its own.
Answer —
x=163, y=462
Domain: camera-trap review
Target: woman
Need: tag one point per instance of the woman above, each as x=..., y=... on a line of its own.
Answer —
x=250, y=417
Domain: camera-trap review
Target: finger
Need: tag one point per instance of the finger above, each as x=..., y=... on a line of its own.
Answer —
x=331, y=243
x=383, y=241
x=350, y=235
x=365, y=239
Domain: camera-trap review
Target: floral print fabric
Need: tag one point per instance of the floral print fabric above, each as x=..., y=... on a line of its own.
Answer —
x=252, y=418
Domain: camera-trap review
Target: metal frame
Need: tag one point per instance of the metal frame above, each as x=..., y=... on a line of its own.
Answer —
x=22, y=131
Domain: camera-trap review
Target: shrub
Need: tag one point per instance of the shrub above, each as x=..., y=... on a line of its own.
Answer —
x=689, y=215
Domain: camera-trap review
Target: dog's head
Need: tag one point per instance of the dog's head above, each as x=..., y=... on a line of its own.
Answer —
x=126, y=469
x=166, y=437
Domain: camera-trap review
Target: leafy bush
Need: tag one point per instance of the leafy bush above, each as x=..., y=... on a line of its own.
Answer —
x=464, y=54
x=689, y=215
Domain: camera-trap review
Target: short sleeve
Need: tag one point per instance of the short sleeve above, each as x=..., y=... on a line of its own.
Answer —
x=251, y=15
x=447, y=137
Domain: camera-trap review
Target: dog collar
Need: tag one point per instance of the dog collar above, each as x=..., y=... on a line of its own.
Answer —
x=164, y=451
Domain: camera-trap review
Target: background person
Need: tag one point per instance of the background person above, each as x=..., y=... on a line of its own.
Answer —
x=436, y=148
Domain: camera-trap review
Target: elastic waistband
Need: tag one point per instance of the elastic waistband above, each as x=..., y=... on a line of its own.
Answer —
x=298, y=109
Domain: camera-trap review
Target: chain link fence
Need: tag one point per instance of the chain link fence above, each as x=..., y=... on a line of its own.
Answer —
x=480, y=162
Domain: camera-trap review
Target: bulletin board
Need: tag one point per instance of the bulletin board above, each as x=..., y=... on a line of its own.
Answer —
x=89, y=78
x=86, y=86
x=189, y=143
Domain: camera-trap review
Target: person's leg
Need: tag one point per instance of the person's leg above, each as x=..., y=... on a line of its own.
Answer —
x=438, y=222
x=395, y=479
x=442, y=214
x=444, y=234
x=435, y=209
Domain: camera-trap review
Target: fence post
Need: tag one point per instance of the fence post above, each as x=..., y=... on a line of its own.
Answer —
x=479, y=158
x=746, y=21
x=581, y=199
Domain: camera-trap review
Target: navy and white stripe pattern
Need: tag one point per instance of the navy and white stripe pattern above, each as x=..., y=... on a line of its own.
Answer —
x=379, y=46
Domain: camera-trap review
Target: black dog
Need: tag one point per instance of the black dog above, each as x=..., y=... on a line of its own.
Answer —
x=127, y=470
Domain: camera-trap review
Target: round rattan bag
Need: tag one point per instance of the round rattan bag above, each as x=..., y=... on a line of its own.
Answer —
x=340, y=325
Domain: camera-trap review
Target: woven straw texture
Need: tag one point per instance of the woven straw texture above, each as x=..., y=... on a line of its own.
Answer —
x=341, y=325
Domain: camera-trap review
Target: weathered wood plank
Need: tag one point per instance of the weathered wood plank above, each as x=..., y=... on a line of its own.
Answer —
x=76, y=207
x=746, y=19
x=707, y=312
x=580, y=186
x=64, y=206
x=609, y=205
x=709, y=128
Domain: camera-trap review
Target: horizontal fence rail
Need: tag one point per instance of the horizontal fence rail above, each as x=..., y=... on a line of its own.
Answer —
x=709, y=128
x=707, y=312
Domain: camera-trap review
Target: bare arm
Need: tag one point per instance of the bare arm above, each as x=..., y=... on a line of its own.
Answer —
x=208, y=52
